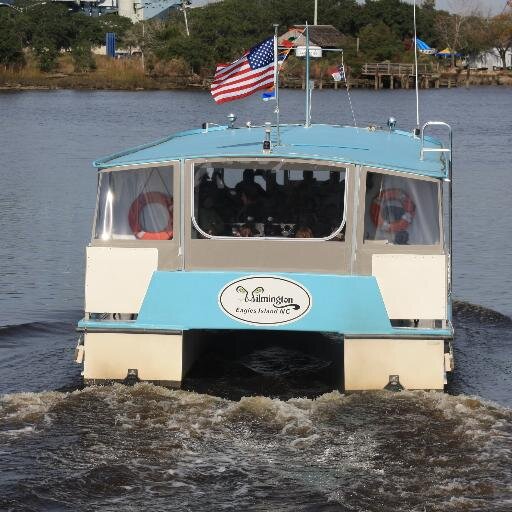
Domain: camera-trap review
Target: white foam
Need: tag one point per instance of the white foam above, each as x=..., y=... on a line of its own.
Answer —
x=29, y=407
x=19, y=432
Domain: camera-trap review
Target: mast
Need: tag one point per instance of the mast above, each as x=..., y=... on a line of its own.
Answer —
x=308, y=107
x=276, y=83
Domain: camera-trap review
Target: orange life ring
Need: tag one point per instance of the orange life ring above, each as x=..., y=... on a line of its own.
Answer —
x=134, y=216
x=399, y=197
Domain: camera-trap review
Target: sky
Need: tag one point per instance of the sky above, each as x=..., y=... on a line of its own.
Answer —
x=485, y=6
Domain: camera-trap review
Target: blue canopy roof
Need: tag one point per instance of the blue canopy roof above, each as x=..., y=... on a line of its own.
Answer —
x=366, y=146
x=424, y=47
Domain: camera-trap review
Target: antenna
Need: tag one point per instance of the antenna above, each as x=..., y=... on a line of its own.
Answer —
x=416, y=69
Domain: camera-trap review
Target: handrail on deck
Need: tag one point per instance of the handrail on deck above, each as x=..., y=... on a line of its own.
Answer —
x=449, y=180
x=424, y=150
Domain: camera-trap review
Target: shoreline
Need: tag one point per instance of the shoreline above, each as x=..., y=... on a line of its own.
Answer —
x=98, y=81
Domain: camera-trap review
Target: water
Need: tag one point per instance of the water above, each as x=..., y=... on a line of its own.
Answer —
x=291, y=443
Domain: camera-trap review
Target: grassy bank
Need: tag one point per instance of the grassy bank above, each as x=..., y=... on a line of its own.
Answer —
x=127, y=74
x=119, y=74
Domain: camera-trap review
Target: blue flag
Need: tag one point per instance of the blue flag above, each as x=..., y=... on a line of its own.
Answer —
x=269, y=95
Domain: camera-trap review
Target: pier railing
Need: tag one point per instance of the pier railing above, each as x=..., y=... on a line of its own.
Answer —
x=388, y=68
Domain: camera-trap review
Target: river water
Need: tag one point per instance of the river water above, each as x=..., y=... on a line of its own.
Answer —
x=246, y=434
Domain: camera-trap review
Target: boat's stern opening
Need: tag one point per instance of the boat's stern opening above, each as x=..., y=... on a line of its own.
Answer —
x=280, y=364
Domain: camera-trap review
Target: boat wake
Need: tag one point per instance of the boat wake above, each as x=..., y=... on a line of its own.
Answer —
x=467, y=312
x=111, y=447
x=246, y=442
x=21, y=333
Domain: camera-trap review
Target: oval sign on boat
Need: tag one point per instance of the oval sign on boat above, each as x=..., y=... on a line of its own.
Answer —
x=265, y=300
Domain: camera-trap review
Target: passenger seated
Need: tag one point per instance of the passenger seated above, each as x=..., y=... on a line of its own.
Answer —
x=329, y=219
x=305, y=196
x=209, y=219
x=333, y=190
x=247, y=230
x=276, y=204
x=304, y=232
x=248, y=184
x=308, y=179
x=251, y=206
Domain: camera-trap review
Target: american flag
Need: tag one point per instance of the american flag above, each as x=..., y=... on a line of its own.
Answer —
x=250, y=73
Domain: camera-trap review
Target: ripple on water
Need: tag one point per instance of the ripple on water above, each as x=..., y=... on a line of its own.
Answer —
x=117, y=447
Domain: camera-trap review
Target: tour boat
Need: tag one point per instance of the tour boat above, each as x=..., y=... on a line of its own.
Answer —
x=339, y=233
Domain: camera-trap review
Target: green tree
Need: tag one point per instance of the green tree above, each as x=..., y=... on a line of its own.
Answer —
x=395, y=14
x=454, y=30
x=83, y=58
x=476, y=37
x=48, y=30
x=46, y=54
x=379, y=42
x=85, y=32
x=113, y=23
x=11, y=42
x=500, y=35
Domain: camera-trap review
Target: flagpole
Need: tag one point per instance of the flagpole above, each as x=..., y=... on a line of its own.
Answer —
x=416, y=69
x=276, y=83
x=307, y=77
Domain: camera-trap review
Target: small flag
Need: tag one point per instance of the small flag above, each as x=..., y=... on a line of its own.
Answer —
x=288, y=44
x=337, y=72
x=269, y=95
x=250, y=73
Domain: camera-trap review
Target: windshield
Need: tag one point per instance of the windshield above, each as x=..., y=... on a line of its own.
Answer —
x=135, y=205
x=269, y=199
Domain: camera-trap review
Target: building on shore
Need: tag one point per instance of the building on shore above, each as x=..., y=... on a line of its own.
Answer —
x=490, y=60
x=136, y=10
x=320, y=37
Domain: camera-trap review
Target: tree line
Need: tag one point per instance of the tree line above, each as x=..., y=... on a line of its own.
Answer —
x=47, y=29
x=377, y=30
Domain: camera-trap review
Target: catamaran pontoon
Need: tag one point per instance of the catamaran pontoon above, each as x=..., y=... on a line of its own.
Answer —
x=337, y=230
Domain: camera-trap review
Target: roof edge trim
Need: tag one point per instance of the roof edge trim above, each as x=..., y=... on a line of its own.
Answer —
x=100, y=162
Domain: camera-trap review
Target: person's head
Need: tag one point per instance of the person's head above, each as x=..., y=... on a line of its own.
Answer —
x=304, y=232
x=334, y=177
x=307, y=176
x=248, y=176
x=246, y=231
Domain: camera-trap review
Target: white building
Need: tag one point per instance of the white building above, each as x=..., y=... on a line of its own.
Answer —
x=490, y=60
x=140, y=10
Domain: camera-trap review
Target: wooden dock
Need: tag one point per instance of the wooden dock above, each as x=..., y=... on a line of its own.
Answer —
x=402, y=76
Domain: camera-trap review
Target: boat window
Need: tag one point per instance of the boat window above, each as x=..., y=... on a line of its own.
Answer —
x=402, y=211
x=135, y=204
x=269, y=199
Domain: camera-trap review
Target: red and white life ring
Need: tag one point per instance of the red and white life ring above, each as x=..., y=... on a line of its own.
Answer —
x=389, y=197
x=135, y=213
